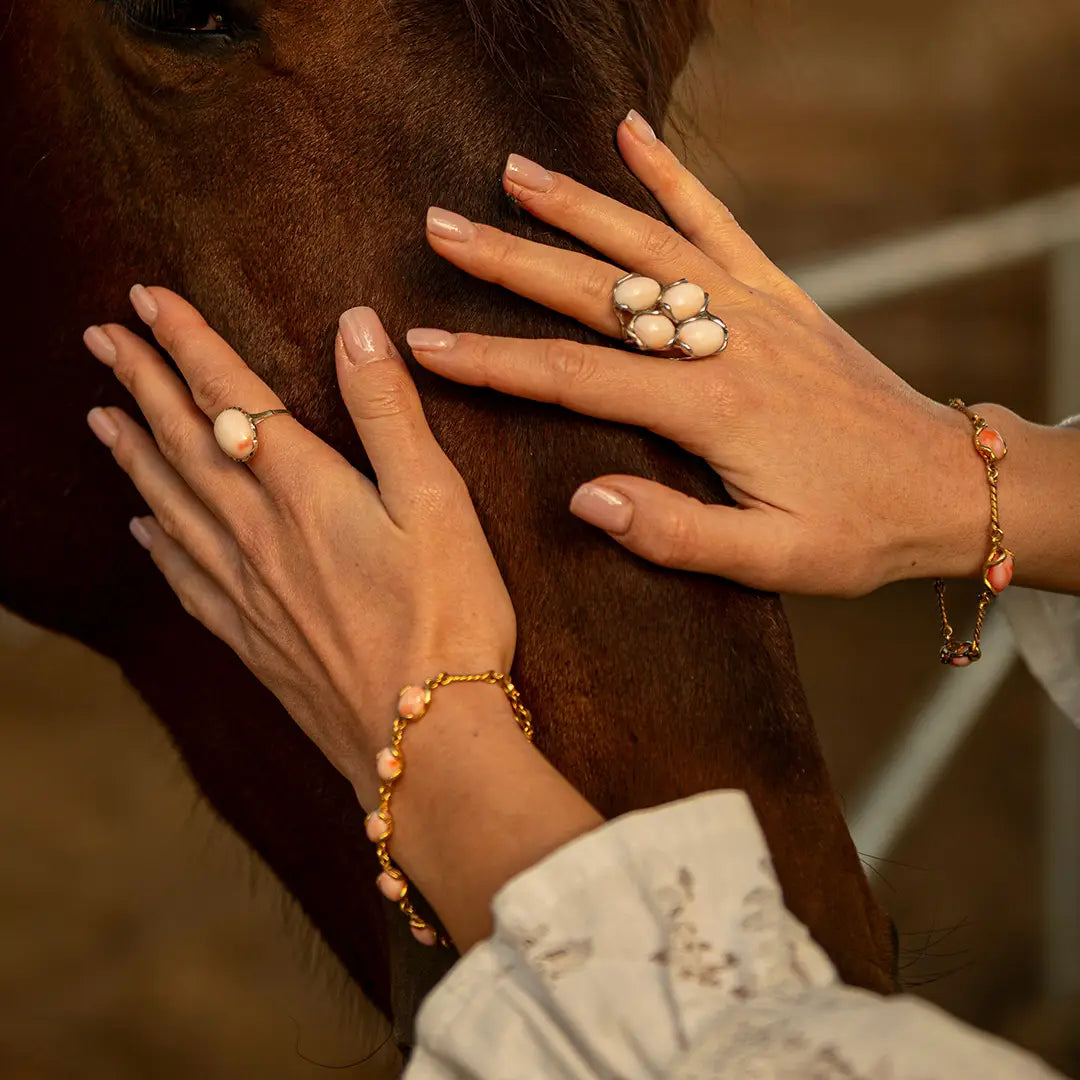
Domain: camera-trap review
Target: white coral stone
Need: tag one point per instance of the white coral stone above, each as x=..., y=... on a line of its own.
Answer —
x=702, y=336
x=638, y=293
x=233, y=432
x=654, y=331
x=684, y=299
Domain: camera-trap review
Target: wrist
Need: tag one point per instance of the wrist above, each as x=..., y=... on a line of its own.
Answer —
x=950, y=525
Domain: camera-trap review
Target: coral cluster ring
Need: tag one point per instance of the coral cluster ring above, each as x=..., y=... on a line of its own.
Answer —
x=662, y=318
x=237, y=431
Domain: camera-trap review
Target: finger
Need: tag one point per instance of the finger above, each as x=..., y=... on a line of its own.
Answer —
x=628, y=237
x=566, y=281
x=381, y=397
x=671, y=529
x=182, y=432
x=219, y=380
x=176, y=508
x=609, y=384
x=200, y=595
x=701, y=217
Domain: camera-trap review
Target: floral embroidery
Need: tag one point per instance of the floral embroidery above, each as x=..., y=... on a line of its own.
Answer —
x=687, y=955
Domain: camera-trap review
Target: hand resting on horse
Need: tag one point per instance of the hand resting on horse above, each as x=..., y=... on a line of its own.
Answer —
x=843, y=477
x=336, y=591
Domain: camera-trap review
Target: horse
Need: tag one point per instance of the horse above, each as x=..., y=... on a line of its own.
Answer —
x=272, y=160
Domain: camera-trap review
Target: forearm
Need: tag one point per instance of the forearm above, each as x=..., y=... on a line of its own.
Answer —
x=476, y=804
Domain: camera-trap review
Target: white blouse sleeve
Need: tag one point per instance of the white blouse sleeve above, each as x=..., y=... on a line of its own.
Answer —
x=1046, y=629
x=659, y=946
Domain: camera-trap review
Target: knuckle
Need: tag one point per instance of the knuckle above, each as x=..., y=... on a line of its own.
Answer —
x=569, y=361
x=675, y=541
x=386, y=396
x=180, y=333
x=597, y=283
x=215, y=391
x=169, y=517
x=500, y=248
x=174, y=437
x=660, y=243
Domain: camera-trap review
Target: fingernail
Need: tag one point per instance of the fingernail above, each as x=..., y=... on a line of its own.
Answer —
x=640, y=128
x=528, y=174
x=602, y=507
x=144, y=304
x=448, y=225
x=424, y=338
x=100, y=345
x=103, y=426
x=363, y=335
x=140, y=532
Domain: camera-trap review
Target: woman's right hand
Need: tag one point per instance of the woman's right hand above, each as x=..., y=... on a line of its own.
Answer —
x=844, y=477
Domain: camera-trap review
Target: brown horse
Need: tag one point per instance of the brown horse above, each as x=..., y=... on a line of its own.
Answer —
x=272, y=161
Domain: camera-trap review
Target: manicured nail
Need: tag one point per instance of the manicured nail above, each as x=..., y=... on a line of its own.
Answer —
x=426, y=339
x=100, y=345
x=140, y=532
x=528, y=174
x=103, y=426
x=448, y=225
x=640, y=128
x=144, y=304
x=602, y=507
x=363, y=335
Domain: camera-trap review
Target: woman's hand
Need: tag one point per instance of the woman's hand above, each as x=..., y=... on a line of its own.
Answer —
x=335, y=593
x=844, y=477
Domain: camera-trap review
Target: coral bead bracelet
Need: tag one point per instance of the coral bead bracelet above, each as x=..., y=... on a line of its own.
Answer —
x=998, y=567
x=412, y=705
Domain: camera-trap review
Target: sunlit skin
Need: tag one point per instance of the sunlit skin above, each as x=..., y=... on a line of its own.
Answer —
x=336, y=591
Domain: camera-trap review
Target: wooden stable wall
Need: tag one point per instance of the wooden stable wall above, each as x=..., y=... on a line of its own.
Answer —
x=134, y=944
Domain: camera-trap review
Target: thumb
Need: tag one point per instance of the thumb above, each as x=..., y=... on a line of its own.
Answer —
x=675, y=530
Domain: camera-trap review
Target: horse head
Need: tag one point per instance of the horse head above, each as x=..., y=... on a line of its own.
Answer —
x=272, y=161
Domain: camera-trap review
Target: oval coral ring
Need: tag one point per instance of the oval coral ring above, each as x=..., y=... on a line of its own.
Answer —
x=659, y=318
x=237, y=431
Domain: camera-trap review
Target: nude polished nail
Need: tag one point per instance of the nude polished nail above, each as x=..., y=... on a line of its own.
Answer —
x=528, y=174
x=363, y=335
x=640, y=128
x=425, y=338
x=103, y=426
x=448, y=225
x=144, y=304
x=602, y=507
x=100, y=345
x=140, y=532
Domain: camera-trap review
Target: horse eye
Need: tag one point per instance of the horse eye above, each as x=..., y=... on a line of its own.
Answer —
x=192, y=17
x=177, y=16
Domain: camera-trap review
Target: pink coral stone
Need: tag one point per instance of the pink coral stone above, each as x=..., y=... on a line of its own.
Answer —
x=992, y=441
x=425, y=935
x=387, y=765
x=960, y=661
x=412, y=702
x=998, y=577
x=393, y=888
x=376, y=827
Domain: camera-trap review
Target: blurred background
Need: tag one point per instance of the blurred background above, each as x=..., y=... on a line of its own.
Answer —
x=140, y=938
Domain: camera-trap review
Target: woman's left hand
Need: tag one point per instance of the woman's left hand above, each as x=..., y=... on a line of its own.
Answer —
x=333, y=591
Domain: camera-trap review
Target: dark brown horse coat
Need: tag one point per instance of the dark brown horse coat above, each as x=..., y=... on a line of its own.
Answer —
x=275, y=176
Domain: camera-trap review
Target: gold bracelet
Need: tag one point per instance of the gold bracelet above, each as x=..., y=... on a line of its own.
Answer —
x=413, y=702
x=999, y=564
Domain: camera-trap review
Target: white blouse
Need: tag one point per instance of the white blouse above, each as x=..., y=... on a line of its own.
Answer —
x=659, y=946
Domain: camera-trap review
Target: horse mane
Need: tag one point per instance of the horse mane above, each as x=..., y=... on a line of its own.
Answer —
x=654, y=37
